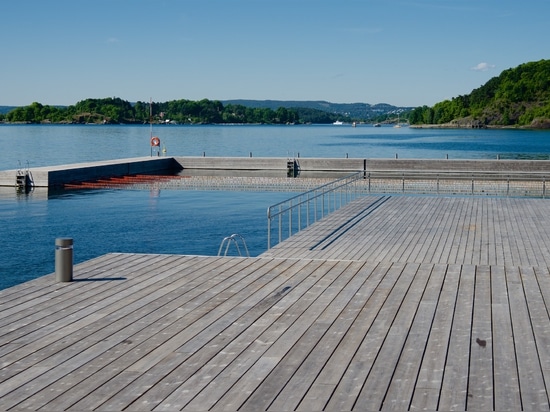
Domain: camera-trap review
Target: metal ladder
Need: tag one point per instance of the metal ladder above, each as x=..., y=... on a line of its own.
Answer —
x=234, y=238
x=23, y=178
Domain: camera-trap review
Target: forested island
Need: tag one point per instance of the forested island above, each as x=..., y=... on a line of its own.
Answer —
x=518, y=97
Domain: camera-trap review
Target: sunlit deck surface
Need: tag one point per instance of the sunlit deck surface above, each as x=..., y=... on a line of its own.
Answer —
x=392, y=302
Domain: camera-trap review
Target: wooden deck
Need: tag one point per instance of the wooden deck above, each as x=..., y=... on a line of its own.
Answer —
x=457, y=230
x=390, y=303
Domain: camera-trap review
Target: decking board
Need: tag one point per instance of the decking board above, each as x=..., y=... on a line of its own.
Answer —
x=390, y=303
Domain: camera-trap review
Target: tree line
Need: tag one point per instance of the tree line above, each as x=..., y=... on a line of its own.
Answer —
x=517, y=97
x=118, y=111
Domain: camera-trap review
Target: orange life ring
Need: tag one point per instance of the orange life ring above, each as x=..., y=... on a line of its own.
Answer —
x=155, y=141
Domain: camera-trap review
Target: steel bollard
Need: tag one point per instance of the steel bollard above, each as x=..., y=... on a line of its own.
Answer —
x=63, y=259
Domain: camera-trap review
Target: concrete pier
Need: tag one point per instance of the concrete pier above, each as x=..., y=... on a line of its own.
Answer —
x=57, y=176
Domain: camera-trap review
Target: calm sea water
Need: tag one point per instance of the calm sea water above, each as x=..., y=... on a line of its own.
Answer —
x=191, y=222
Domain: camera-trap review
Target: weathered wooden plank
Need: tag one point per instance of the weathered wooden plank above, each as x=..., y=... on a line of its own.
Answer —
x=82, y=350
x=261, y=336
x=163, y=331
x=149, y=311
x=470, y=248
x=449, y=232
x=401, y=389
x=454, y=390
x=374, y=390
x=284, y=387
x=19, y=304
x=507, y=396
x=78, y=312
x=244, y=387
x=161, y=354
x=538, y=313
x=185, y=382
x=357, y=371
x=430, y=376
x=480, y=381
x=531, y=379
x=301, y=382
x=372, y=297
x=32, y=291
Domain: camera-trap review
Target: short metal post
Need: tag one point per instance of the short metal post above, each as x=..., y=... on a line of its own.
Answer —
x=63, y=259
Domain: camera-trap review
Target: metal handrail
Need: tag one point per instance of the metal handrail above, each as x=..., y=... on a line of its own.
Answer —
x=317, y=202
x=233, y=239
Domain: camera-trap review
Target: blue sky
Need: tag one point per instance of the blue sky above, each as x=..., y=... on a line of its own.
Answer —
x=401, y=52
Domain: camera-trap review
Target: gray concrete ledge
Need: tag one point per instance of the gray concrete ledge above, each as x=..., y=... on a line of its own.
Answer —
x=56, y=176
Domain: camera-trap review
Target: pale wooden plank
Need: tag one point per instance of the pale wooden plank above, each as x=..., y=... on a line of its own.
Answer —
x=522, y=244
x=365, y=237
x=369, y=301
x=101, y=341
x=454, y=231
x=185, y=382
x=507, y=396
x=300, y=388
x=79, y=311
x=401, y=389
x=351, y=383
x=160, y=351
x=531, y=380
x=424, y=224
x=353, y=230
x=454, y=390
x=250, y=348
x=284, y=386
x=14, y=298
x=374, y=390
x=252, y=380
x=495, y=244
x=455, y=254
x=538, y=314
x=430, y=376
x=138, y=314
x=480, y=381
x=358, y=236
x=443, y=250
x=470, y=247
x=20, y=303
x=406, y=236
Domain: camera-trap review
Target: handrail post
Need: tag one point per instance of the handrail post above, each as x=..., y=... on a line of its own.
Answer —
x=280, y=225
x=268, y=228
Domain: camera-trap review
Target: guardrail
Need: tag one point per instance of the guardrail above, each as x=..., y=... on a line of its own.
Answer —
x=498, y=184
x=306, y=208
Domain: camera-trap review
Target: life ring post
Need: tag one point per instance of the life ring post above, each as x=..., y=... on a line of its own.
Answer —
x=155, y=143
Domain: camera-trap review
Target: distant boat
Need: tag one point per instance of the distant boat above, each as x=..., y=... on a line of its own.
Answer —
x=338, y=123
x=377, y=125
x=397, y=125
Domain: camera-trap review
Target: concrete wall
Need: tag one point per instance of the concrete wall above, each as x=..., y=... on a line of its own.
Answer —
x=268, y=163
x=522, y=166
x=58, y=175
x=352, y=165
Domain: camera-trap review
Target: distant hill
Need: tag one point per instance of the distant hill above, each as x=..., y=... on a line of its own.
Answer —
x=116, y=110
x=6, y=109
x=351, y=110
x=518, y=97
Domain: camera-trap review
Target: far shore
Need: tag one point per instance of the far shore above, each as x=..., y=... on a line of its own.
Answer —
x=456, y=126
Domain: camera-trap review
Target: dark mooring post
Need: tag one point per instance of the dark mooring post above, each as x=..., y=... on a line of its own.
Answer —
x=63, y=259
